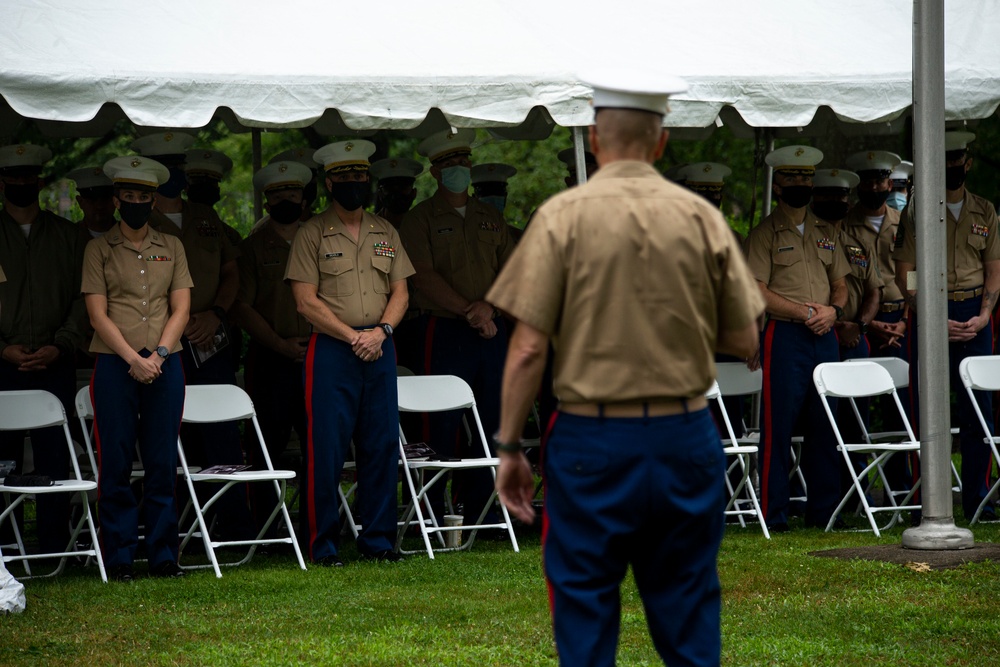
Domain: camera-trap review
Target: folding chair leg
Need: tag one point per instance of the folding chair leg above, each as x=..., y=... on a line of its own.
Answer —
x=990, y=496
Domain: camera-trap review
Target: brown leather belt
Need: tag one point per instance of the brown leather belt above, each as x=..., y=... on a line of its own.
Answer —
x=892, y=306
x=656, y=408
x=785, y=319
x=965, y=294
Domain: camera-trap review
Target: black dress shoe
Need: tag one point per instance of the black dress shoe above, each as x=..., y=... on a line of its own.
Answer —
x=385, y=556
x=330, y=561
x=778, y=528
x=122, y=573
x=167, y=570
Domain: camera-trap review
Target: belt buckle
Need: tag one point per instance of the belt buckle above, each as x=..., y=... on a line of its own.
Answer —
x=959, y=296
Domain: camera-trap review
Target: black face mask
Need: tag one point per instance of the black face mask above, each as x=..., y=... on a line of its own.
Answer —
x=205, y=192
x=352, y=195
x=173, y=187
x=872, y=200
x=954, y=177
x=398, y=204
x=830, y=211
x=135, y=214
x=285, y=212
x=796, y=196
x=21, y=194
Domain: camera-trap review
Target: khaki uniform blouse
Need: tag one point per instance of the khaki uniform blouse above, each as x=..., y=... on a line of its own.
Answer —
x=352, y=278
x=864, y=275
x=884, y=243
x=633, y=278
x=263, y=261
x=799, y=267
x=137, y=284
x=970, y=240
x=467, y=252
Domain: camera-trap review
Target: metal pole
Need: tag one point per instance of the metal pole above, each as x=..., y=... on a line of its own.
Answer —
x=580, y=157
x=258, y=205
x=937, y=528
x=768, y=176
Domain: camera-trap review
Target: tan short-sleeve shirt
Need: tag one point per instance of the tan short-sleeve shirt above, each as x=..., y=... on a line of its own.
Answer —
x=633, y=278
x=352, y=278
x=884, y=243
x=263, y=261
x=799, y=267
x=136, y=283
x=970, y=240
x=467, y=253
x=207, y=246
x=864, y=275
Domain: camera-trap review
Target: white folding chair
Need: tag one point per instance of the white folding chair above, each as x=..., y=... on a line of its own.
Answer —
x=899, y=370
x=983, y=374
x=35, y=409
x=213, y=403
x=741, y=454
x=864, y=379
x=441, y=393
x=735, y=379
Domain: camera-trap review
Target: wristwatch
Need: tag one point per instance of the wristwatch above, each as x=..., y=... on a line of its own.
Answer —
x=163, y=351
x=386, y=327
x=863, y=326
x=839, y=311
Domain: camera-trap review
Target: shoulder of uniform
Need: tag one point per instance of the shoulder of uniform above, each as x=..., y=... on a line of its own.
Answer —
x=978, y=203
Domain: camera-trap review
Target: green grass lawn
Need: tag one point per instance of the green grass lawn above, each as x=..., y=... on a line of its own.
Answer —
x=781, y=606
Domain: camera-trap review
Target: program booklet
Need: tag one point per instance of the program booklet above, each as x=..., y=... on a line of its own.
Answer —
x=418, y=451
x=219, y=342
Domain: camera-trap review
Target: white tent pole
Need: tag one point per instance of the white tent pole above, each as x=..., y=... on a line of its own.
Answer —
x=258, y=207
x=768, y=176
x=937, y=528
x=578, y=154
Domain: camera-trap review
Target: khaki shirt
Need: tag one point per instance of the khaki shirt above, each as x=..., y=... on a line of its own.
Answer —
x=799, y=267
x=352, y=278
x=633, y=278
x=467, y=252
x=864, y=275
x=263, y=261
x=207, y=246
x=137, y=285
x=884, y=243
x=970, y=240
x=41, y=298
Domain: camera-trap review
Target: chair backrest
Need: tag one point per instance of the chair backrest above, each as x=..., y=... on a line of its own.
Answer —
x=84, y=406
x=714, y=394
x=434, y=393
x=211, y=403
x=27, y=409
x=403, y=371
x=852, y=379
x=980, y=374
x=735, y=379
x=899, y=369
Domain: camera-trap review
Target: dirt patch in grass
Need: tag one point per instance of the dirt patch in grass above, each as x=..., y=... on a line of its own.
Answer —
x=915, y=558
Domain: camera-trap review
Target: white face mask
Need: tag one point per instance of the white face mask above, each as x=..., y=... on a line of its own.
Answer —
x=896, y=200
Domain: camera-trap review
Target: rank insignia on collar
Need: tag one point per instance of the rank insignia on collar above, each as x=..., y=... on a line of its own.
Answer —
x=383, y=249
x=159, y=258
x=826, y=244
x=980, y=230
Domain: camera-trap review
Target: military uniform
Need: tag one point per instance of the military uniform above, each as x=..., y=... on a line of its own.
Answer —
x=971, y=240
x=800, y=267
x=273, y=381
x=137, y=285
x=42, y=306
x=347, y=397
x=467, y=252
x=601, y=512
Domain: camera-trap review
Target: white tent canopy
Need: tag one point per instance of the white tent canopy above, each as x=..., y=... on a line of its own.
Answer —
x=77, y=67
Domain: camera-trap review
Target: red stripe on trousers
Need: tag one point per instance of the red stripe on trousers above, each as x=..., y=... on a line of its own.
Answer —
x=545, y=515
x=765, y=469
x=310, y=458
x=97, y=447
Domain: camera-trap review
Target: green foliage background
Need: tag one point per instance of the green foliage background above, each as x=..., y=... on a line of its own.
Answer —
x=540, y=173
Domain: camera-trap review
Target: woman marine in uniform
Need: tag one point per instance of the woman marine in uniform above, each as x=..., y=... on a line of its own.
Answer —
x=137, y=289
